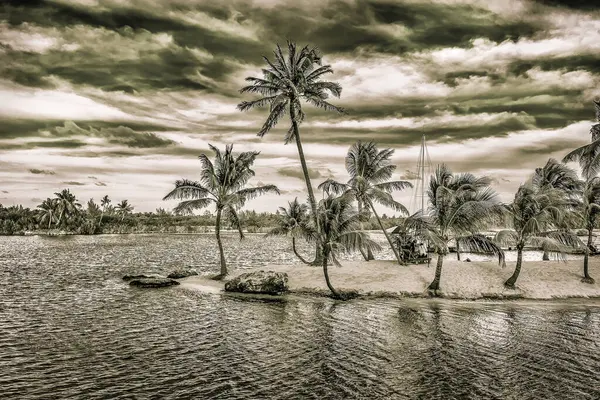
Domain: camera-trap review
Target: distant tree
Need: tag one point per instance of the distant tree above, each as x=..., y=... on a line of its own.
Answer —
x=67, y=206
x=288, y=81
x=222, y=183
x=123, y=208
x=105, y=204
x=47, y=212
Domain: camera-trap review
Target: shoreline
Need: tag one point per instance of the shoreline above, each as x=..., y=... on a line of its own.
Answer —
x=471, y=281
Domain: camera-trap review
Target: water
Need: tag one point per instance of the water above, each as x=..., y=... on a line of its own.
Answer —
x=70, y=328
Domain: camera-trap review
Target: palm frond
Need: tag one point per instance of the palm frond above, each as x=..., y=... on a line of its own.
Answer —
x=478, y=243
x=186, y=189
x=188, y=206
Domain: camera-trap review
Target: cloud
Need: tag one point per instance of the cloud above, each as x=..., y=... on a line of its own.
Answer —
x=41, y=171
x=295, y=172
x=99, y=183
x=74, y=183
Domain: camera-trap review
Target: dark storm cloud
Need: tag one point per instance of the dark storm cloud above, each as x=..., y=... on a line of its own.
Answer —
x=41, y=171
x=591, y=5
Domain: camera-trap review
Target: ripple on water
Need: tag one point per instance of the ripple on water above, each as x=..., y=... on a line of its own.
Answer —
x=71, y=328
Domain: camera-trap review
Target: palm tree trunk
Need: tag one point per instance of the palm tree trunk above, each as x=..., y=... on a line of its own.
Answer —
x=362, y=251
x=221, y=253
x=334, y=292
x=545, y=256
x=311, y=194
x=434, y=286
x=586, y=272
x=296, y=252
x=457, y=250
x=387, y=236
x=510, y=283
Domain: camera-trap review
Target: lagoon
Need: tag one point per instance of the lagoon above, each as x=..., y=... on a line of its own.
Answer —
x=71, y=328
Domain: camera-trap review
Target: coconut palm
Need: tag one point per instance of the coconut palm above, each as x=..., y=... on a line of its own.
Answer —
x=559, y=176
x=460, y=206
x=105, y=204
x=538, y=219
x=370, y=172
x=287, y=82
x=294, y=221
x=123, y=209
x=67, y=206
x=588, y=157
x=340, y=232
x=222, y=183
x=47, y=211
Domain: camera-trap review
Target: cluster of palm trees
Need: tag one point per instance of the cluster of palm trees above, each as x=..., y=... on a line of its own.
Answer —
x=65, y=212
x=460, y=206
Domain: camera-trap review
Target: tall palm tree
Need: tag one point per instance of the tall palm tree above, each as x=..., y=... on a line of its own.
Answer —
x=370, y=172
x=123, y=208
x=222, y=183
x=105, y=203
x=537, y=215
x=67, y=206
x=294, y=221
x=287, y=82
x=460, y=206
x=47, y=211
x=340, y=232
x=588, y=157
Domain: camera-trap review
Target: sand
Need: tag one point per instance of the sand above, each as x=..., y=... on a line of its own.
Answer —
x=460, y=279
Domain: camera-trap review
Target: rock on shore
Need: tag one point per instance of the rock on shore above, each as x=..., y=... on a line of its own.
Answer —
x=182, y=273
x=153, y=282
x=268, y=282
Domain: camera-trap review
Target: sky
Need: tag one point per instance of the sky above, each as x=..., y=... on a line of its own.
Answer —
x=119, y=97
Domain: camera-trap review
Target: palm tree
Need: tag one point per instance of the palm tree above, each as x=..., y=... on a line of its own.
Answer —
x=222, y=183
x=286, y=82
x=588, y=157
x=123, y=208
x=67, y=205
x=460, y=206
x=370, y=171
x=537, y=215
x=47, y=211
x=105, y=203
x=560, y=177
x=340, y=232
x=294, y=221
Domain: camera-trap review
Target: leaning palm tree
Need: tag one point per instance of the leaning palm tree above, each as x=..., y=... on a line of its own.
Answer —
x=123, y=209
x=588, y=157
x=370, y=172
x=538, y=218
x=560, y=177
x=47, y=211
x=340, y=232
x=222, y=183
x=67, y=206
x=294, y=221
x=460, y=206
x=287, y=82
x=105, y=203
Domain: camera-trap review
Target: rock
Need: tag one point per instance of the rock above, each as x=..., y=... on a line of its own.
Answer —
x=268, y=282
x=468, y=260
x=153, y=282
x=141, y=276
x=182, y=273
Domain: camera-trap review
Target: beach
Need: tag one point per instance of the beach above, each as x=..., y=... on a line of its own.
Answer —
x=539, y=280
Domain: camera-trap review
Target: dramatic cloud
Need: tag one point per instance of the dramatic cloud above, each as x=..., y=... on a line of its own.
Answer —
x=120, y=97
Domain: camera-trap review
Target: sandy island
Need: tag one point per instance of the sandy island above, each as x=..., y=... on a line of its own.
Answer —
x=460, y=280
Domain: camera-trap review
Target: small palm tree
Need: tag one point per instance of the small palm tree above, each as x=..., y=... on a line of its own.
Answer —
x=123, y=209
x=294, y=221
x=67, y=206
x=105, y=204
x=340, y=232
x=47, y=211
x=288, y=81
x=460, y=206
x=222, y=183
x=370, y=172
x=588, y=157
x=538, y=218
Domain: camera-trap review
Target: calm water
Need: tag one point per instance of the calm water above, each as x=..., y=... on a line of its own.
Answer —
x=71, y=328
